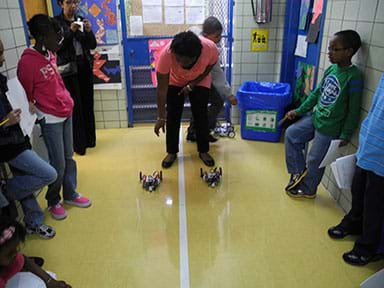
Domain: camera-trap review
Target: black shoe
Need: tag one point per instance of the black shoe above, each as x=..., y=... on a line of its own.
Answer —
x=191, y=137
x=207, y=159
x=81, y=152
x=339, y=232
x=212, y=139
x=354, y=258
x=296, y=179
x=168, y=163
x=300, y=193
x=38, y=261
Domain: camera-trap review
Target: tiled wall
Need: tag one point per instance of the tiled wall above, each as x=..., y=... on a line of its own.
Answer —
x=367, y=18
x=12, y=34
x=256, y=66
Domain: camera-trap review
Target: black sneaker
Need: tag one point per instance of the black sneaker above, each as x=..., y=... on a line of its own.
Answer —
x=44, y=231
x=212, y=139
x=300, y=193
x=191, y=137
x=296, y=179
x=355, y=258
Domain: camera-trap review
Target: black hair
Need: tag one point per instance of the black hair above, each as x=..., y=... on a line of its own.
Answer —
x=350, y=39
x=212, y=26
x=18, y=235
x=186, y=44
x=40, y=25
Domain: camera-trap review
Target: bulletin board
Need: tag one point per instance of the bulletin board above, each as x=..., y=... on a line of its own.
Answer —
x=160, y=29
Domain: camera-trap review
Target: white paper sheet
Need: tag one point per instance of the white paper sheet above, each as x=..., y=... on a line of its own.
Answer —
x=136, y=25
x=18, y=99
x=173, y=3
x=174, y=15
x=152, y=14
x=343, y=169
x=332, y=153
x=194, y=15
x=301, y=46
x=151, y=2
x=194, y=2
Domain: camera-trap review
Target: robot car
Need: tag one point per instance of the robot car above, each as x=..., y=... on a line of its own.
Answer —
x=150, y=182
x=225, y=130
x=212, y=177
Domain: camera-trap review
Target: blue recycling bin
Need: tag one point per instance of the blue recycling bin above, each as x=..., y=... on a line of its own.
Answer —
x=262, y=106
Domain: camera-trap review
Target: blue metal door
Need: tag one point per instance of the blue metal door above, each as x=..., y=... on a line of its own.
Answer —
x=141, y=93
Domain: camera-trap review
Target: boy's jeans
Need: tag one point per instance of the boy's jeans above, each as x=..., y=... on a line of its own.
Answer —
x=30, y=174
x=296, y=137
x=59, y=142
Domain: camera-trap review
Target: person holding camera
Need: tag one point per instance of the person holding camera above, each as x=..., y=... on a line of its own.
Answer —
x=73, y=59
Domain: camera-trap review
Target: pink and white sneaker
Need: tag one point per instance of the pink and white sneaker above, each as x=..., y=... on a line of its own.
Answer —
x=79, y=201
x=58, y=212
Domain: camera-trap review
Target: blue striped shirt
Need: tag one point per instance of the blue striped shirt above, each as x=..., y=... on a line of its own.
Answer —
x=370, y=155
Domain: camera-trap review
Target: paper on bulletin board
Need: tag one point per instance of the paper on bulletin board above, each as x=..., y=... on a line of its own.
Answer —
x=194, y=15
x=173, y=3
x=155, y=47
x=259, y=40
x=301, y=46
x=174, y=15
x=152, y=14
x=194, y=3
x=106, y=68
x=151, y=2
x=304, y=8
x=136, y=25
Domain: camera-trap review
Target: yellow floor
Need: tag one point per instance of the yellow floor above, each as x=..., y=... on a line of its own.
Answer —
x=245, y=233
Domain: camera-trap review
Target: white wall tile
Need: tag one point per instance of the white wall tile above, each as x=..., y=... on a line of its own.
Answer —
x=5, y=22
x=365, y=31
x=371, y=78
x=351, y=10
x=19, y=35
x=250, y=57
x=13, y=4
x=378, y=34
x=334, y=26
x=265, y=68
x=249, y=68
x=337, y=11
x=376, y=58
x=16, y=19
x=11, y=58
x=267, y=57
x=6, y=37
x=3, y=4
x=348, y=25
x=12, y=73
x=367, y=10
x=380, y=11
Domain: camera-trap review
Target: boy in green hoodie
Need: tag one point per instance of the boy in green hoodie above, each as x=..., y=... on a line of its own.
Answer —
x=337, y=102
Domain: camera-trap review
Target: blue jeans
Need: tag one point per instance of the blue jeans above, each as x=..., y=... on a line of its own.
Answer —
x=30, y=174
x=59, y=142
x=296, y=137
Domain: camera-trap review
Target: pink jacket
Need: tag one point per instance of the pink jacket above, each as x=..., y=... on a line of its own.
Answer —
x=43, y=84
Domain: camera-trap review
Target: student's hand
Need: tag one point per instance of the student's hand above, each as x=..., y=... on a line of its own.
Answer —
x=87, y=25
x=160, y=124
x=14, y=117
x=32, y=108
x=232, y=99
x=57, y=284
x=343, y=143
x=186, y=90
x=74, y=27
x=291, y=114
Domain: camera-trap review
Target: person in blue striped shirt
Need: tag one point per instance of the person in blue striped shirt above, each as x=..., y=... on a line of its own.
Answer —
x=366, y=217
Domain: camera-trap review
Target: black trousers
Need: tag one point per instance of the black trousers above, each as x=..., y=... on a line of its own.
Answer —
x=214, y=109
x=80, y=86
x=175, y=104
x=367, y=212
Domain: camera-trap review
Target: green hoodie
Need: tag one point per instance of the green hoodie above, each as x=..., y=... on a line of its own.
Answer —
x=337, y=99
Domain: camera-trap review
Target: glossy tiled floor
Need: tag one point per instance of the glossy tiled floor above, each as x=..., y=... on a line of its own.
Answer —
x=245, y=233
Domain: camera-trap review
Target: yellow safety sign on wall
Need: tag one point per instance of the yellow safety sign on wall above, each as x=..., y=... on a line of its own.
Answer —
x=259, y=40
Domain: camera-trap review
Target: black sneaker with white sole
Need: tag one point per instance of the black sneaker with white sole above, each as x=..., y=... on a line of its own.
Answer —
x=296, y=179
x=44, y=231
